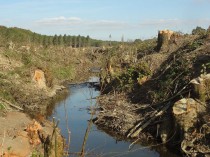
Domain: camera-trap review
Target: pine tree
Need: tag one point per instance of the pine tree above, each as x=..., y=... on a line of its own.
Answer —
x=60, y=40
x=69, y=40
x=79, y=41
x=65, y=40
x=55, y=40
x=45, y=43
x=83, y=43
x=88, y=40
x=74, y=41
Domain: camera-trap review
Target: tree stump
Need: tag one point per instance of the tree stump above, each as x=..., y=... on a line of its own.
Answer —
x=202, y=87
x=163, y=40
x=185, y=113
x=192, y=118
x=39, y=79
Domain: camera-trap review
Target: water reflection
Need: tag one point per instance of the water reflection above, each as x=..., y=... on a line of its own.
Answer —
x=98, y=143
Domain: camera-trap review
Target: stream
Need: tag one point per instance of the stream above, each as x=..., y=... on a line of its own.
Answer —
x=75, y=110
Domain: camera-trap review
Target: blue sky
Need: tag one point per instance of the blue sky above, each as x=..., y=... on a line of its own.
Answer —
x=98, y=18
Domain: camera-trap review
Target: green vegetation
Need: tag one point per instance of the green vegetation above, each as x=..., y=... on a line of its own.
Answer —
x=1, y=107
x=64, y=72
x=26, y=37
x=36, y=154
x=6, y=94
x=205, y=68
x=129, y=79
x=169, y=77
x=128, y=66
x=199, y=31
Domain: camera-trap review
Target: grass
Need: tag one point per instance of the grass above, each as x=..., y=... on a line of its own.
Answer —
x=2, y=107
x=11, y=54
x=64, y=73
x=36, y=154
x=2, y=76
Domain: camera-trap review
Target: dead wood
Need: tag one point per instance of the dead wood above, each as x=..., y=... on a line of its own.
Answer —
x=10, y=104
x=147, y=122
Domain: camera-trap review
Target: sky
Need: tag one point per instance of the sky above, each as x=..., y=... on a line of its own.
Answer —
x=130, y=19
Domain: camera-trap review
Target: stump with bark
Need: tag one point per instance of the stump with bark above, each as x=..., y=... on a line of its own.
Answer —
x=192, y=117
x=163, y=40
x=202, y=87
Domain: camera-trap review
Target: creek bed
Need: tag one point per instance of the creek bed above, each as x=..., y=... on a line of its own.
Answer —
x=76, y=106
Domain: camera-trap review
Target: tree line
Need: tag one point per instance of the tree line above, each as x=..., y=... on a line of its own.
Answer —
x=24, y=37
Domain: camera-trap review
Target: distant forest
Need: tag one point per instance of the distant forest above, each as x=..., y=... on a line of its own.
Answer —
x=24, y=37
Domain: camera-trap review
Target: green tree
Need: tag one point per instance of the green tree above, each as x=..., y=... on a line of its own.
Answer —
x=83, y=42
x=79, y=40
x=74, y=41
x=40, y=39
x=65, y=40
x=88, y=40
x=198, y=31
x=69, y=41
x=55, y=40
x=60, y=40
x=50, y=40
x=45, y=42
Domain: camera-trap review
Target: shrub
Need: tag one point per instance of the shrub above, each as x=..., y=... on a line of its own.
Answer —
x=198, y=31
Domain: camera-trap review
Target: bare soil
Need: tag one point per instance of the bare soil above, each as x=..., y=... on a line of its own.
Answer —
x=16, y=140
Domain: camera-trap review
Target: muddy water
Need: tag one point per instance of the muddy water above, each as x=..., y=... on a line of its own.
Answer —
x=75, y=109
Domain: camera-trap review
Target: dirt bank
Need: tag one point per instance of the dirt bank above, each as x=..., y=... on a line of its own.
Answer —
x=31, y=82
x=21, y=136
x=144, y=96
x=116, y=115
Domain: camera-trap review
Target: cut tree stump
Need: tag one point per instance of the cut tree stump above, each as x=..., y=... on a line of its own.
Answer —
x=185, y=113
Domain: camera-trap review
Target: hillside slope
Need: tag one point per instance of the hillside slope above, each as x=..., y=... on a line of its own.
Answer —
x=164, y=93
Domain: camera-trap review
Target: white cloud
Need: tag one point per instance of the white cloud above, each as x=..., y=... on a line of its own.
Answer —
x=77, y=22
x=175, y=22
x=152, y=22
x=61, y=20
x=147, y=28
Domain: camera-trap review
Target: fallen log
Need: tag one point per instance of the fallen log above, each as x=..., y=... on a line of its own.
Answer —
x=10, y=104
x=133, y=132
x=145, y=124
